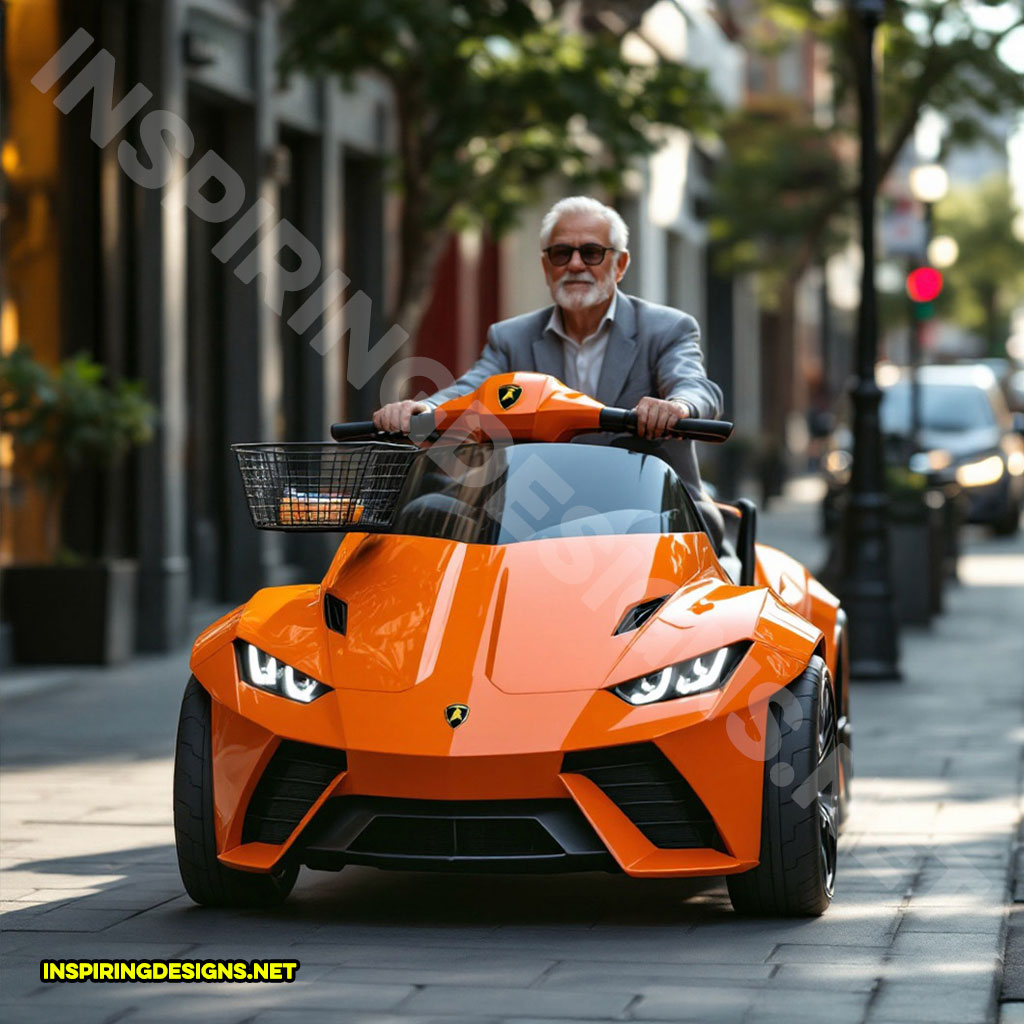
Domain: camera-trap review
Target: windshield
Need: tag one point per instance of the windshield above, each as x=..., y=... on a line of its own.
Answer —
x=947, y=408
x=501, y=494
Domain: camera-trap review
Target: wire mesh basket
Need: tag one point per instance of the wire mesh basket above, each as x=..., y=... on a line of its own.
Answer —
x=306, y=487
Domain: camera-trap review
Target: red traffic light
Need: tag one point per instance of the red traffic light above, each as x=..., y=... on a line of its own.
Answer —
x=924, y=284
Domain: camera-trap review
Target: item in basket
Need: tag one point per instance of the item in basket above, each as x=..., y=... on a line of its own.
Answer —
x=318, y=509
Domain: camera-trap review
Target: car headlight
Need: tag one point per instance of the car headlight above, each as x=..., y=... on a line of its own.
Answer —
x=978, y=474
x=933, y=461
x=698, y=675
x=266, y=672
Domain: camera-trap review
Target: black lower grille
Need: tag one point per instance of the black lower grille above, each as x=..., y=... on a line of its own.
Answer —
x=478, y=835
x=457, y=837
x=296, y=776
x=641, y=781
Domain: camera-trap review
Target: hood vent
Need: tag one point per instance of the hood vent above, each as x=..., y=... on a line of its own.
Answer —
x=639, y=614
x=335, y=614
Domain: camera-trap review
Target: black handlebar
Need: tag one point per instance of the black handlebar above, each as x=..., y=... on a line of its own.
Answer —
x=625, y=420
x=619, y=420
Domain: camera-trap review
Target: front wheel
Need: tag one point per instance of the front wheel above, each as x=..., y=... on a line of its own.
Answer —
x=206, y=880
x=800, y=807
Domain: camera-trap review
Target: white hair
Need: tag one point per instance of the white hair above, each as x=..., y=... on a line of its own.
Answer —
x=618, y=233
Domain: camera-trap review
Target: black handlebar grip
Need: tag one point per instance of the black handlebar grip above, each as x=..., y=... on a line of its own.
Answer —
x=714, y=431
x=358, y=431
x=625, y=420
x=617, y=419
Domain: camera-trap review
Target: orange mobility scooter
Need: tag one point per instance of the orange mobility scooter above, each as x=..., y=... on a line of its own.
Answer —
x=526, y=655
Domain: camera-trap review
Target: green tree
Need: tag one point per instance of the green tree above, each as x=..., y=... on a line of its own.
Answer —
x=786, y=189
x=491, y=100
x=942, y=55
x=987, y=280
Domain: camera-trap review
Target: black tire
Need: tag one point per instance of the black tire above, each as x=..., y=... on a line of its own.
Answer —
x=206, y=880
x=799, y=817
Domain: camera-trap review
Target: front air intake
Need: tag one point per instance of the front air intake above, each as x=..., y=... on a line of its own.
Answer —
x=641, y=781
x=292, y=782
x=336, y=614
x=639, y=614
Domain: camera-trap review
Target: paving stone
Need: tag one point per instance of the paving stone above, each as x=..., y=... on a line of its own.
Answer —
x=947, y=947
x=808, y=1007
x=504, y=1002
x=940, y=919
x=801, y=954
x=495, y=973
x=639, y=978
x=1011, y=1013
x=932, y=1004
x=307, y=1016
x=65, y=918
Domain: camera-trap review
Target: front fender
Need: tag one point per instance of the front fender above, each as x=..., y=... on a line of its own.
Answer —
x=286, y=622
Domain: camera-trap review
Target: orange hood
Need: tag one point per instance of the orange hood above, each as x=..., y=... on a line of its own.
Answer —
x=532, y=617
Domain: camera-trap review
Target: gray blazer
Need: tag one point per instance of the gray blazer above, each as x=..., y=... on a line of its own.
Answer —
x=652, y=350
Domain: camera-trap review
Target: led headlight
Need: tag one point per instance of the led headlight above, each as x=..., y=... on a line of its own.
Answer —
x=698, y=675
x=265, y=672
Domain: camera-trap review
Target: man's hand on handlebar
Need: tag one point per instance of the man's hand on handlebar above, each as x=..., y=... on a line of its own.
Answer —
x=655, y=415
x=395, y=417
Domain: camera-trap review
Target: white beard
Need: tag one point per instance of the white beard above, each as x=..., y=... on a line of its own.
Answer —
x=582, y=298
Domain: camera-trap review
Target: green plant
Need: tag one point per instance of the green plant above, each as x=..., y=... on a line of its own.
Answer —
x=65, y=418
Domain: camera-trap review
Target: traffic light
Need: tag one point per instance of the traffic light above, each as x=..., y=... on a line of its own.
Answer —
x=924, y=284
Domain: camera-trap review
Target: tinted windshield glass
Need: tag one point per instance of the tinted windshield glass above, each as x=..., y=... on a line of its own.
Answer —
x=944, y=407
x=489, y=494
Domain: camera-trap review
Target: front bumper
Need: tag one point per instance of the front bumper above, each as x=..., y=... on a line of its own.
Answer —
x=553, y=781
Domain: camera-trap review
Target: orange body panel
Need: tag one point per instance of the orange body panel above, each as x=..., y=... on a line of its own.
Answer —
x=397, y=668
x=545, y=410
x=524, y=635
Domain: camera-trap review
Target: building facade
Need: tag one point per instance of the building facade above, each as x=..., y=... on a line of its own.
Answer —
x=174, y=208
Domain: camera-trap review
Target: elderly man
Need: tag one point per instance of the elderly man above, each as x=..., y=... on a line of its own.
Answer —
x=616, y=348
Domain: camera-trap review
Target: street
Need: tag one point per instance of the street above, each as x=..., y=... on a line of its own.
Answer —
x=916, y=931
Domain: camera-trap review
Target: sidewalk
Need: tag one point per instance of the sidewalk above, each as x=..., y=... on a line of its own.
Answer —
x=916, y=932
x=938, y=809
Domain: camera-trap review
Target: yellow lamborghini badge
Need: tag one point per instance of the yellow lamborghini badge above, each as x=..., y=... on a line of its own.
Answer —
x=456, y=714
x=508, y=395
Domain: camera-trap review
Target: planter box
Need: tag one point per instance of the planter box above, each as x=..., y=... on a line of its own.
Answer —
x=79, y=615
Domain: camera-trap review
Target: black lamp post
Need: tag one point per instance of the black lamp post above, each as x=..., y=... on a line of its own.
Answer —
x=866, y=589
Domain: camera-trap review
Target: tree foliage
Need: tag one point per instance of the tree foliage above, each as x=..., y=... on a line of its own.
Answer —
x=490, y=100
x=943, y=55
x=987, y=281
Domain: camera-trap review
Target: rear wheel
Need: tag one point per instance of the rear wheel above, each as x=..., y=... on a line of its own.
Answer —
x=206, y=880
x=800, y=807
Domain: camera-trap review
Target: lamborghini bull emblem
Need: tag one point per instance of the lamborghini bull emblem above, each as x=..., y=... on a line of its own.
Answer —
x=508, y=395
x=456, y=714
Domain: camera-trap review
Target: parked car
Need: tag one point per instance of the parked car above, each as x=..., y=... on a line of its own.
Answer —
x=966, y=434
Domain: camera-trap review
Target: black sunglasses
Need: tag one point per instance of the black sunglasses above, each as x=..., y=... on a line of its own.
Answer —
x=592, y=254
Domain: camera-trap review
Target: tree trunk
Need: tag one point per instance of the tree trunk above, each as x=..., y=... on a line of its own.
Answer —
x=778, y=367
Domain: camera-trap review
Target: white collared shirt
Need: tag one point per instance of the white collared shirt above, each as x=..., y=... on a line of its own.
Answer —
x=583, y=360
